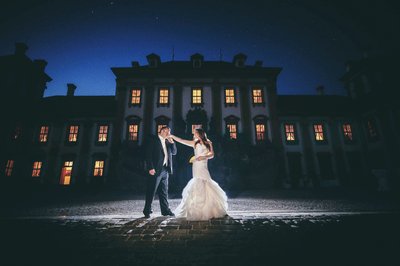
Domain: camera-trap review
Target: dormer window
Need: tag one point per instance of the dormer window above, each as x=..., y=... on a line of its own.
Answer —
x=197, y=60
x=153, y=60
x=239, y=60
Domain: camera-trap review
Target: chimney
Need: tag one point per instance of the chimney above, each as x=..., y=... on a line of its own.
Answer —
x=258, y=63
x=135, y=64
x=239, y=60
x=40, y=64
x=71, y=89
x=320, y=90
x=20, y=48
x=153, y=60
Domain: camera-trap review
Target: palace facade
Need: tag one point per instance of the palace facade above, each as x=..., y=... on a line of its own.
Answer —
x=262, y=139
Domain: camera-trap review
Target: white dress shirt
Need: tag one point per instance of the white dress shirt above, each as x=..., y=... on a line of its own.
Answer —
x=164, y=146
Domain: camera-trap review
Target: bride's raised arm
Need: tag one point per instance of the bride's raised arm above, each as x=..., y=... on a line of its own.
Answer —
x=183, y=141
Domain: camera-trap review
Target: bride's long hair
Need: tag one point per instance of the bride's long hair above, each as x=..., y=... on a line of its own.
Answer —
x=203, y=137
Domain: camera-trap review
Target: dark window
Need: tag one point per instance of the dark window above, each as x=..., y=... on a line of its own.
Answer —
x=231, y=123
x=372, y=129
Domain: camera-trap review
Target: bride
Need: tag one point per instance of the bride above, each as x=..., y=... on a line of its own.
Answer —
x=202, y=198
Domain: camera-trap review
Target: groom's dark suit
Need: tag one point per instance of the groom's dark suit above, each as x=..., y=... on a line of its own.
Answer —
x=159, y=181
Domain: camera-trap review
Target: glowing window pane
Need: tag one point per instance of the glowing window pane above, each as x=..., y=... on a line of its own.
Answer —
x=73, y=133
x=98, y=168
x=257, y=96
x=135, y=96
x=9, y=167
x=66, y=172
x=347, y=132
x=37, y=166
x=260, y=132
x=44, y=133
x=319, y=132
x=289, y=132
x=164, y=96
x=103, y=132
x=232, y=129
x=133, y=132
x=230, y=95
x=197, y=96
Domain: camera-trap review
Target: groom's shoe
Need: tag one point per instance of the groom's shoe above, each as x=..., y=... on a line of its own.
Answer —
x=169, y=213
x=147, y=215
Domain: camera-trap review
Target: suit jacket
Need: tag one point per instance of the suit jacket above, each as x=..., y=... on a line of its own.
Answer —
x=155, y=154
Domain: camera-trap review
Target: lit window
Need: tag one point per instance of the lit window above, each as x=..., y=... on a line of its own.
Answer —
x=197, y=96
x=163, y=96
x=372, y=131
x=136, y=96
x=44, y=134
x=98, y=168
x=194, y=127
x=230, y=96
x=257, y=96
x=347, y=132
x=232, y=129
x=66, y=172
x=290, y=133
x=319, y=132
x=133, y=131
x=260, y=132
x=73, y=133
x=103, y=133
x=9, y=167
x=37, y=167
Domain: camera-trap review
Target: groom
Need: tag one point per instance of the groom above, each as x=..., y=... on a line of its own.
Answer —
x=159, y=153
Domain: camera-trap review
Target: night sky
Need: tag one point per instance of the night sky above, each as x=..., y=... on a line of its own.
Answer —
x=310, y=40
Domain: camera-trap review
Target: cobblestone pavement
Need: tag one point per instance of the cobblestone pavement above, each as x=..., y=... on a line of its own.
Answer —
x=257, y=231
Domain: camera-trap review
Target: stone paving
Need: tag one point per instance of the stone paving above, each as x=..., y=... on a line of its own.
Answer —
x=257, y=231
x=362, y=239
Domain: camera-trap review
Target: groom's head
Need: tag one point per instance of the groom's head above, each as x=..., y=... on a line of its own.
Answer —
x=164, y=131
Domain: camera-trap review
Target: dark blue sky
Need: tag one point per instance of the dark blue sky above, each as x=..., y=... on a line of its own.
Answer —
x=310, y=40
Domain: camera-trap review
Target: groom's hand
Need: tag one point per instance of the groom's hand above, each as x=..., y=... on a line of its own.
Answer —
x=152, y=172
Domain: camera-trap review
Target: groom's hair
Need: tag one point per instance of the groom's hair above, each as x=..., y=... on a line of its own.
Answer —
x=162, y=128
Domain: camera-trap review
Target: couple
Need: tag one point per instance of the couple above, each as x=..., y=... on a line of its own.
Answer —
x=202, y=198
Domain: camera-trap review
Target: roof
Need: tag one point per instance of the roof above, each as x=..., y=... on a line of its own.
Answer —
x=67, y=107
x=314, y=105
x=185, y=69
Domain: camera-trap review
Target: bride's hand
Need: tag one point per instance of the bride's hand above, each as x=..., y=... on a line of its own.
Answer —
x=200, y=158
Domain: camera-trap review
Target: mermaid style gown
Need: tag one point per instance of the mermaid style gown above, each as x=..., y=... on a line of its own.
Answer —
x=202, y=198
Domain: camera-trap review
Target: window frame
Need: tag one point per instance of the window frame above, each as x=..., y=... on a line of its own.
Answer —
x=201, y=104
x=159, y=104
x=99, y=125
x=295, y=135
x=262, y=103
x=130, y=104
x=235, y=103
x=324, y=133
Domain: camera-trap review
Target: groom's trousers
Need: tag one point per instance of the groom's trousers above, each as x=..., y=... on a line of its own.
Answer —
x=157, y=184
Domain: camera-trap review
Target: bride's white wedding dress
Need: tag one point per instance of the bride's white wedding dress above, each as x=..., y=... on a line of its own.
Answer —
x=202, y=198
